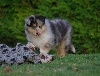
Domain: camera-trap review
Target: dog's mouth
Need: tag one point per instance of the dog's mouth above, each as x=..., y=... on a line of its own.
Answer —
x=38, y=33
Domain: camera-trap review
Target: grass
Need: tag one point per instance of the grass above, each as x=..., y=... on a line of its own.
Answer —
x=71, y=65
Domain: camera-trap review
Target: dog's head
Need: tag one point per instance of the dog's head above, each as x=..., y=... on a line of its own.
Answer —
x=35, y=25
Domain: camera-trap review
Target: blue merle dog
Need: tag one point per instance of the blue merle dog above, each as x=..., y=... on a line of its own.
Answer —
x=49, y=34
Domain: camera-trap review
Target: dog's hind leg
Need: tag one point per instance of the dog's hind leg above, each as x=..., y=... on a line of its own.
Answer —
x=69, y=45
x=61, y=49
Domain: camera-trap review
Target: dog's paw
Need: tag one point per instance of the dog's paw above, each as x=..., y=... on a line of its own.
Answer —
x=30, y=45
x=46, y=58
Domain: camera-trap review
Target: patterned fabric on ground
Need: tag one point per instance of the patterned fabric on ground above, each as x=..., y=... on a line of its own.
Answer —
x=21, y=54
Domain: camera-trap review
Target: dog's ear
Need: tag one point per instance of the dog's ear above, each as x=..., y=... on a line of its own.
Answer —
x=41, y=18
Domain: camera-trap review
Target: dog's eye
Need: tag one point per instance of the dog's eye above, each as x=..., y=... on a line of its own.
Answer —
x=40, y=26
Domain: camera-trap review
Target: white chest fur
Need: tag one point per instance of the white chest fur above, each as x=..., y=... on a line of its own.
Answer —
x=38, y=41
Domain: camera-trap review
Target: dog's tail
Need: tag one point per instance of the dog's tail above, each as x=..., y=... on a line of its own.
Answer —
x=72, y=48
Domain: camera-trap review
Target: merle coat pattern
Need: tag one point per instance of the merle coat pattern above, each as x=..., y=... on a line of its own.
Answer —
x=49, y=34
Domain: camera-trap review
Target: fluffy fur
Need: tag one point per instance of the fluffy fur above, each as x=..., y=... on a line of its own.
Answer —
x=49, y=34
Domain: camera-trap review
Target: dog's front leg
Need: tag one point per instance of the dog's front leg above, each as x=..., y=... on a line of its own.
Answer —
x=30, y=45
x=45, y=48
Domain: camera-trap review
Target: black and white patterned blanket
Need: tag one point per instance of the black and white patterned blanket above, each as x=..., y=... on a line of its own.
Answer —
x=21, y=54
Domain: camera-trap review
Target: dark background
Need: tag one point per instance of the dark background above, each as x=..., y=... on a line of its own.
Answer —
x=84, y=15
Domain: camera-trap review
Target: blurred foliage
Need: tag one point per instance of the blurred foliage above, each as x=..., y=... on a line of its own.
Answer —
x=84, y=15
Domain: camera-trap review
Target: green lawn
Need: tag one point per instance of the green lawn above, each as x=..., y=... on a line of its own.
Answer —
x=71, y=65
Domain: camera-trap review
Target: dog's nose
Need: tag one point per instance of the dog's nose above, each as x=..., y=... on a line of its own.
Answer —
x=38, y=34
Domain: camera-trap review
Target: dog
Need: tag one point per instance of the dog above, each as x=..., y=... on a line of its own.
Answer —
x=49, y=34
